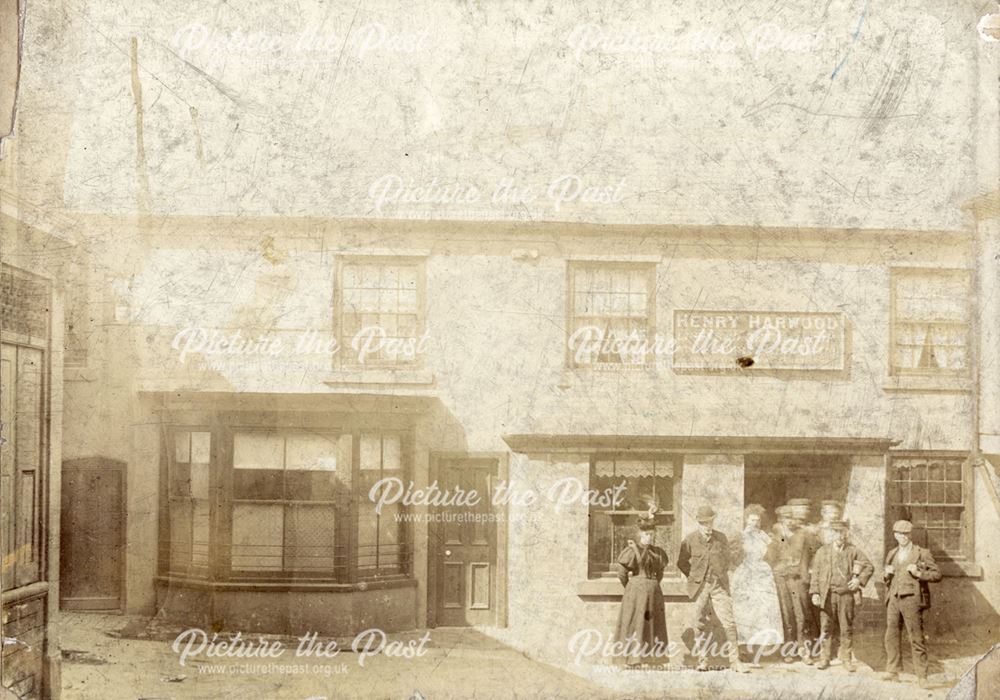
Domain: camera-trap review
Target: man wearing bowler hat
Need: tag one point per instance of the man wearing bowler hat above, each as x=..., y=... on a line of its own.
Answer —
x=908, y=570
x=704, y=559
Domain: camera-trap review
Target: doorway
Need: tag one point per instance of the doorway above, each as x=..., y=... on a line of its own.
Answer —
x=466, y=545
x=771, y=480
x=92, y=548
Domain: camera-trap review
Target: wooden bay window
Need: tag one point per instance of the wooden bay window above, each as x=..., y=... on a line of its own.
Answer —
x=261, y=504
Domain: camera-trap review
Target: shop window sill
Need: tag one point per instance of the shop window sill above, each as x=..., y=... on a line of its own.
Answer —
x=380, y=376
x=288, y=586
x=927, y=384
x=609, y=587
x=957, y=568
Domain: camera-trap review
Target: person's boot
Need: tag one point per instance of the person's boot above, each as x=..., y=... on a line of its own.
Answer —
x=889, y=676
x=824, y=663
x=849, y=665
x=702, y=664
x=924, y=683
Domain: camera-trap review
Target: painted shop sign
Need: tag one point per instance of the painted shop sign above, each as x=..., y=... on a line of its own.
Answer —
x=759, y=340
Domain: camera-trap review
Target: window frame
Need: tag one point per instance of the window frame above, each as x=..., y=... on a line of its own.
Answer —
x=572, y=268
x=898, y=510
x=895, y=274
x=345, y=358
x=222, y=499
x=673, y=515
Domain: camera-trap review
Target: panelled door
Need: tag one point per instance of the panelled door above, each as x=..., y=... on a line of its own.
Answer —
x=92, y=548
x=466, y=545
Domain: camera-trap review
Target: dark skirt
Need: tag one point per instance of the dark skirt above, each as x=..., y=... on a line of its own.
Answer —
x=642, y=622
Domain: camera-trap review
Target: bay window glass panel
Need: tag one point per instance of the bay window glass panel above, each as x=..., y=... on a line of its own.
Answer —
x=312, y=453
x=297, y=482
x=200, y=533
x=189, y=508
x=182, y=447
x=199, y=480
x=181, y=524
x=258, y=536
x=310, y=538
x=201, y=447
x=258, y=451
x=380, y=542
x=391, y=457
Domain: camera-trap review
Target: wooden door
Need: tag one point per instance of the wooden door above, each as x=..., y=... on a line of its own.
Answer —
x=92, y=547
x=465, y=539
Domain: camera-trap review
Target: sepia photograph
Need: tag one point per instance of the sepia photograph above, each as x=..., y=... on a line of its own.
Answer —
x=499, y=349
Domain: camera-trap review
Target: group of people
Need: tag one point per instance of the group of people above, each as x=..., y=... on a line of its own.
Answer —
x=796, y=588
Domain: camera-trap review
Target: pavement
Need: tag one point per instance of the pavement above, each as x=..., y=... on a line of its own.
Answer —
x=115, y=657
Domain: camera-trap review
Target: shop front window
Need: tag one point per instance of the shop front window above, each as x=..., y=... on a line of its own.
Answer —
x=647, y=482
x=932, y=493
x=283, y=505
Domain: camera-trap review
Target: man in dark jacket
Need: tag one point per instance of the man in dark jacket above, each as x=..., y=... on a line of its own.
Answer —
x=908, y=570
x=838, y=570
x=704, y=559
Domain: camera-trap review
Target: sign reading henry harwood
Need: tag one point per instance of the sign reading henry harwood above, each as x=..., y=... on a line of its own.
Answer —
x=762, y=340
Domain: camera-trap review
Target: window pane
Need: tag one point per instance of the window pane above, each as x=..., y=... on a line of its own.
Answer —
x=258, y=451
x=201, y=447
x=312, y=453
x=391, y=453
x=601, y=541
x=935, y=492
x=199, y=534
x=258, y=484
x=371, y=452
x=258, y=536
x=182, y=446
x=367, y=539
x=954, y=471
x=953, y=493
x=180, y=480
x=257, y=466
x=309, y=538
x=199, y=480
x=180, y=534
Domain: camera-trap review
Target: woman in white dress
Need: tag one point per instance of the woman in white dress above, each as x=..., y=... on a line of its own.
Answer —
x=755, y=597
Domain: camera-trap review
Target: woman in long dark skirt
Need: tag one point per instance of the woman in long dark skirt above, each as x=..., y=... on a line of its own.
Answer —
x=642, y=623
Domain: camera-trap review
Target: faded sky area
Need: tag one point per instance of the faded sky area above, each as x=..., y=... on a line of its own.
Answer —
x=841, y=113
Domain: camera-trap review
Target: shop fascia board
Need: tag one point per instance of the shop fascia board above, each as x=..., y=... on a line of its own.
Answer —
x=552, y=444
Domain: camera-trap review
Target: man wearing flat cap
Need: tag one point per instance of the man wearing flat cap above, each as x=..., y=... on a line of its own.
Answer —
x=839, y=569
x=909, y=569
x=704, y=559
